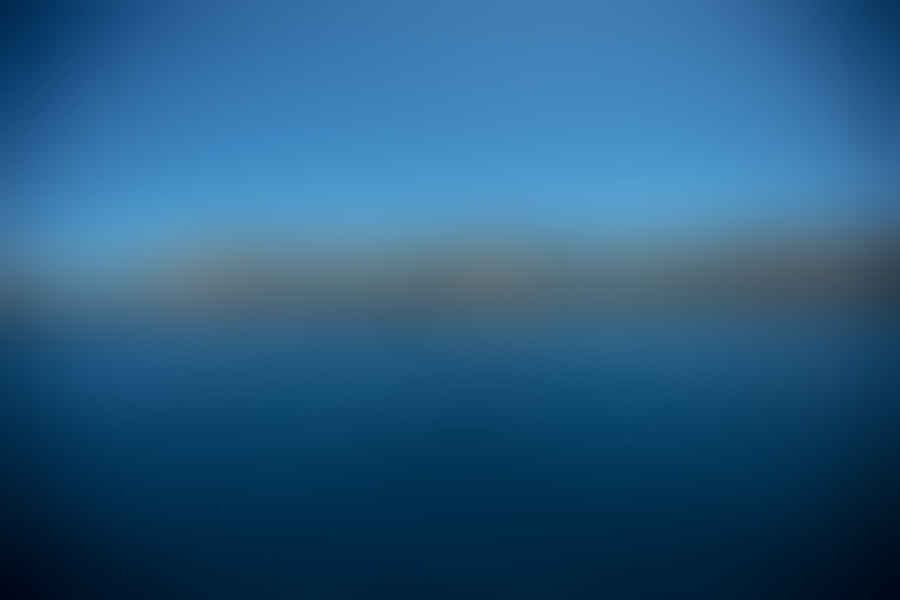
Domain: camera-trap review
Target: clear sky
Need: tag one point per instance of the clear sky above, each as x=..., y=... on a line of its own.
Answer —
x=356, y=120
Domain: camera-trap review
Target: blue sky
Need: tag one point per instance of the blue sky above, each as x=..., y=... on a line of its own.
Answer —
x=346, y=121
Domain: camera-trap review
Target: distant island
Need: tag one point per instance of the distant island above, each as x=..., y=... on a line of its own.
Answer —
x=491, y=277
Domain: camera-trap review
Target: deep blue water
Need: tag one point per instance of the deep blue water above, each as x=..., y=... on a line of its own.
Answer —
x=623, y=458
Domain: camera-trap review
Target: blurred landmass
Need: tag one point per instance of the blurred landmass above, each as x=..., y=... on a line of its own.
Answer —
x=495, y=276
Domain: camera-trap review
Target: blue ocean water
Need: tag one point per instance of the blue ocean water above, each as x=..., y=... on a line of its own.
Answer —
x=628, y=457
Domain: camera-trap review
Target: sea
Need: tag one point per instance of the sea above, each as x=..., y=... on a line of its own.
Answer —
x=707, y=454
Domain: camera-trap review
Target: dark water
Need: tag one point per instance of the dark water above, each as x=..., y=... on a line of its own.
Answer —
x=622, y=458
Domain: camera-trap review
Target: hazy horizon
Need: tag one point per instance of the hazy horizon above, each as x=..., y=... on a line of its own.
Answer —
x=495, y=299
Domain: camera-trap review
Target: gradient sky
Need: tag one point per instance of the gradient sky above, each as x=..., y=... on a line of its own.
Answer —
x=345, y=121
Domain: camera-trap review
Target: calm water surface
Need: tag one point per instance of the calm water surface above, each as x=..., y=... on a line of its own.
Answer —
x=629, y=457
